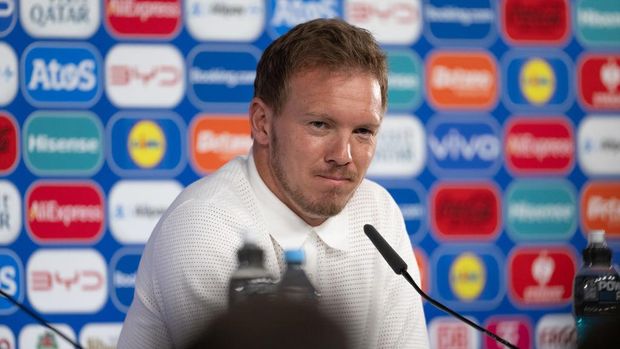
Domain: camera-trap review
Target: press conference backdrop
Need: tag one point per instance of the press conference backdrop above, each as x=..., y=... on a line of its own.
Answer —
x=501, y=146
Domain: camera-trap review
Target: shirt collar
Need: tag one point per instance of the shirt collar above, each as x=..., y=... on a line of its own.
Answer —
x=291, y=231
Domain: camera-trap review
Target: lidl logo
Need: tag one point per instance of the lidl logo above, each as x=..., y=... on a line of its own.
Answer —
x=8, y=74
x=232, y=20
x=468, y=276
x=450, y=333
x=467, y=146
x=541, y=210
x=63, y=143
x=100, y=335
x=7, y=16
x=556, y=331
x=146, y=142
x=10, y=212
x=515, y=329
x=217, y=139
x=9, y=144
x=405, y=79
x=541, y=276
x=461, y=80
x=597, y=22
x=599, y=78
x=143, y=18
x=40, y=337
x=392, y=22
x=411, y=200
x=123, y=270
x=64, y=212
x=535, y=22
x=284, y=15
x=600, y=207
x=465, y=211
x=598, y=145
x=541, y=145
x=55, y=19
x=456, y=21
x=11, y=280
x=55, y=74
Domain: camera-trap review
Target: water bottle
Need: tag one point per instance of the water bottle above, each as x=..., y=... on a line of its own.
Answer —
x=295, y=285
x=251, y=279
x=596, y=287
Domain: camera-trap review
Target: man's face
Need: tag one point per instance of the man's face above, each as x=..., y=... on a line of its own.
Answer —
x=323, y=140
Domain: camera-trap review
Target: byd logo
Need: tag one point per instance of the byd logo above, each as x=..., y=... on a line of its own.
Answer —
x=391, y=21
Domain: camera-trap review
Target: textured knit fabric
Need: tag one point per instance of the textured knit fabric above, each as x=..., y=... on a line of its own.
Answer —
x=182, y=280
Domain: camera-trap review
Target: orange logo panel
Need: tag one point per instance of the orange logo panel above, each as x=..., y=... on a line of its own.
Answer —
x=600, y=208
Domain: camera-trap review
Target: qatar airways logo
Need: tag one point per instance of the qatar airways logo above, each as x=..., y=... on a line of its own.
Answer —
x=60, y=18
x=394, y=22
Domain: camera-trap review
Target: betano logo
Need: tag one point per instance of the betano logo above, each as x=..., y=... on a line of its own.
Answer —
x=8, y=74
x=284, y=15
x=9, y=144
x=468, y=276
x=60, y=19
x=143, y=18
x=216, y=139
x=392, y=22
x=535, y=21
x=461, y=80
x=599, y=78
x=146, y=144
x=598, y=22
x=599, y=145
x=537, y=80
x=600, y=207
x=225, y=20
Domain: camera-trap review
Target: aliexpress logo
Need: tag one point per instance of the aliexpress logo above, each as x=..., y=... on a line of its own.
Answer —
x=143, y=18
x=462, y=80
x=599, y=78
x=600, y=207
x=535, y=21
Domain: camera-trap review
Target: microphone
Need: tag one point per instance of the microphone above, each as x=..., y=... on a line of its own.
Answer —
x=39, y=318
x=400, y=268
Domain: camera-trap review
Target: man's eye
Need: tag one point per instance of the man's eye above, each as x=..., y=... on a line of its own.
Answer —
x=318, y=124
x=364, y=131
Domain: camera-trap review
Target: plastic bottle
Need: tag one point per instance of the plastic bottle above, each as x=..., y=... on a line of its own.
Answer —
x=295, y=284
x=596, y=286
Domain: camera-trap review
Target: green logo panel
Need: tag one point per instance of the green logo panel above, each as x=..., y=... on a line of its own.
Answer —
x=597, y=22
x=404, y=80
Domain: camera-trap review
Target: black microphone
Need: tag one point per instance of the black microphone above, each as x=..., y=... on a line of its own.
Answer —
x=38, y=318
x=400, y=267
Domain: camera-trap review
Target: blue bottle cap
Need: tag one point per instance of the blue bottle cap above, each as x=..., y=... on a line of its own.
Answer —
x=294, y=256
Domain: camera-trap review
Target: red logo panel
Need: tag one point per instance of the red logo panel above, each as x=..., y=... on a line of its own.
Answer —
x=9, y=143
x=64, y=212
x=143, y=18
x=599, y=81
x=600, y=207
x=515, y=329
x=536, y=21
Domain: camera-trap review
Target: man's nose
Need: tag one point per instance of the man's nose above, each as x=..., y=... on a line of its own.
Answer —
x=339, y=152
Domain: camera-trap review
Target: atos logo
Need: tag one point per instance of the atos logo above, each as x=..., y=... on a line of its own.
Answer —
x=285, y=14
x=219, y=78
x=470, y=280
x=599, y=145
x=465, y=211
x=61, y=74
x=467, y=146
x=64, y=212
x=151, y=76
x=462, y=80
x=9, y=144
x=7, y=339
x=11, y=280
x=599, y=81
x=411, y=200
x=225, y=20
x=541, y=145
x=8, y=74
x=40, y=337
x=449, y=333
x=66, y=18
x=600, y=207
x=544, y=80
x=100, y=335
x=541, y=276
x=160, y=19
x=455, y=21
x=555, y=331
x=216, y=139
x=155, y=144
x=392, y=22
x=7, y=16
x=405, y=79
x=123, y=269
x=597, y=22
x=535, y=22
x=10, y=212
x=515, y=329
x=541, y=210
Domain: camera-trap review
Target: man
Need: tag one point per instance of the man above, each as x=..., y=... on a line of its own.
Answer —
x=320, y=97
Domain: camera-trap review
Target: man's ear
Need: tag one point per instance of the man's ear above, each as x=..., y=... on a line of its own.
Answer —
x=261, y=116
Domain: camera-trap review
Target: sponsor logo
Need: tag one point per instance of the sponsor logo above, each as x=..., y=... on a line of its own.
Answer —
x=600, y=207
x=64, y=212
x=515, y=329
x=449, y=333
x=598, y=22
x=457, y=21
x=598, y=145
x=100, y=335
x=123, y=269
x=468, y=146
x=216, y=139
x=393, y=22
x=10, y=212
x=155, y=144
x=541, y=276
x=535, y=22
x=462, y=80
x=149, y=76
x=7, y=339
x=7, y=16
x=63, y=143
x=465, y=211
x=400, y=148
x=599, y=78
x=468, y=276
x=422, y=261
x=221, y=78
x=229, y=20
x=64, y=18
x=9, y=145
x=545, y=209
x=37, y=336
x=285, y=14
x=143, y=18
x=411, y=200
x=61, y=74
x=405, y=79
x=75, y=287
x=554, y=331
x=542, y=145
x=8, y=73
x=136, y=206
x=11, y=280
